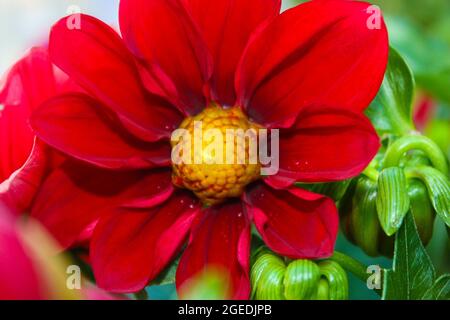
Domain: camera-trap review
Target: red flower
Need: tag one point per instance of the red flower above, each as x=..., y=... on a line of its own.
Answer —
x=425, y=109
x=310, y=71
x=29, y=83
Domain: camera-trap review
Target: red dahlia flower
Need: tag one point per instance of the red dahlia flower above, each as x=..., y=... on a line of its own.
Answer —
x=309, y=71
x=30, y=82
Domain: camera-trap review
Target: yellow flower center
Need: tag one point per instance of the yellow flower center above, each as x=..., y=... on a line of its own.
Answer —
x=219, y=149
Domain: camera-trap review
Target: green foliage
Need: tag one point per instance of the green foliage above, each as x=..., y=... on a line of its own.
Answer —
x=413, y=276
x=390, y=112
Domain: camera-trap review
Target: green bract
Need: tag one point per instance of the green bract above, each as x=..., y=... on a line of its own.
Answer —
x=363, y=224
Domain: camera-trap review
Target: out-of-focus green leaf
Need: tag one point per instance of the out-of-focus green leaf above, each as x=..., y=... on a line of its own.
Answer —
x=391, y=112
x=428, y=56
x=211, y=284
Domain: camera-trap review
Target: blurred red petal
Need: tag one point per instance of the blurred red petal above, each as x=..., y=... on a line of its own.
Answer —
x=18, y=277
x=29, y=82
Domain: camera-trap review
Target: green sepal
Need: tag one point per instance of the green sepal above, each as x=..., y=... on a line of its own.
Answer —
x=392, y=201
x=422, y=209
x=438, y=186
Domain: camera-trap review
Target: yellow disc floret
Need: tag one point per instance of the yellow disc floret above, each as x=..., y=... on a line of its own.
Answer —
x=217, y=151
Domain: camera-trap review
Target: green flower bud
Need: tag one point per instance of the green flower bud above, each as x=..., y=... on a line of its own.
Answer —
x=273, y=278
x=359, y=216
x=422, y=210
x=361, y=222
x=411, y=175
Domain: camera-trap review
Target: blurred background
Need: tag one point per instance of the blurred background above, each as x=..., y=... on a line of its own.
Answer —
x=419, y=30
x=24, y=23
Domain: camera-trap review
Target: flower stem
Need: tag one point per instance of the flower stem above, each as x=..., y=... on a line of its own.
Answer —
x=351, y=265
x=372, y=174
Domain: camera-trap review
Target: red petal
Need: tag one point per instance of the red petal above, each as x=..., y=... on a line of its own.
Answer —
x=18, y=192
x=220, y=238
x=74, y=196
x=162, y=33
x=319, y=53
x=226, y=26
x=294, y=222
x=27, y=84
x=98, y=60
x=131, y=247
x=18, y=276
x=325, y=145
x=76, y=125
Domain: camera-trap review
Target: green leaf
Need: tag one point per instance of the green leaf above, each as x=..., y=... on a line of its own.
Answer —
x=413, y=273
x=440, y=290
x=391, y=111
x=438, y=186
x=392, y=199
